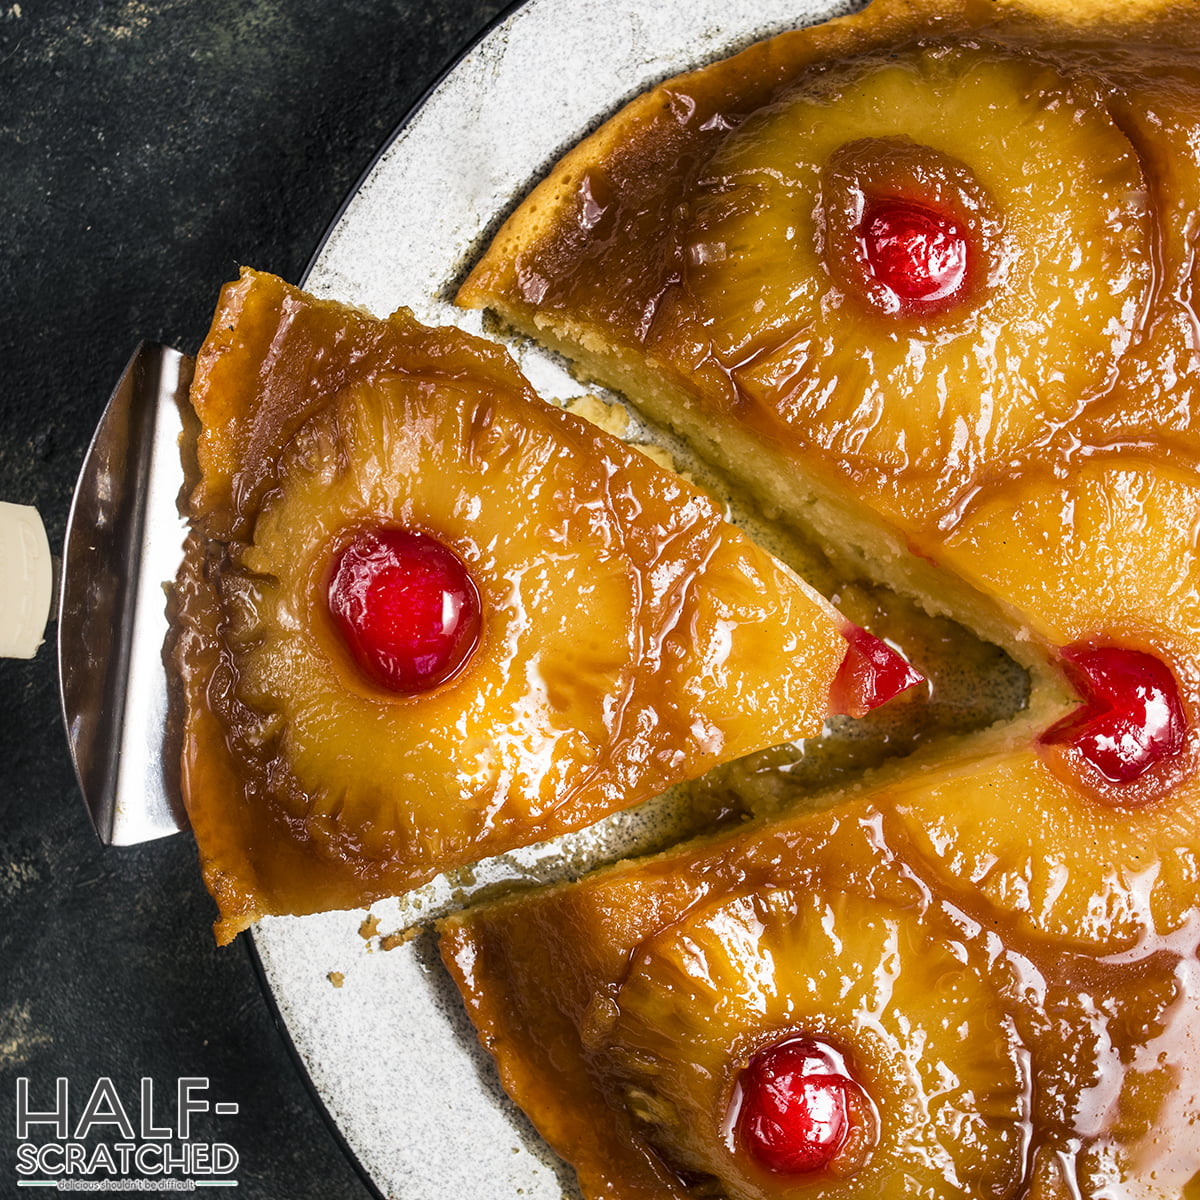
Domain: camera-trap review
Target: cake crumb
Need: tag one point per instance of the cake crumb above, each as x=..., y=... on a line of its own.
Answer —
x=390, y=941
x=612, y=418
x=336, y=978
x=656, y=454
x=369, y=928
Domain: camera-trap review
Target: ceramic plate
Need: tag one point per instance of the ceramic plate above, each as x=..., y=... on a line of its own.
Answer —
x=389, y=1051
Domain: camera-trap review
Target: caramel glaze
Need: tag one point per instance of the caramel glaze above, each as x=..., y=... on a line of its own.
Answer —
x=631, y=638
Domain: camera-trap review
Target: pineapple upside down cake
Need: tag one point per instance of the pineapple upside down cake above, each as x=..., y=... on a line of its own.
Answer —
x=923, y=280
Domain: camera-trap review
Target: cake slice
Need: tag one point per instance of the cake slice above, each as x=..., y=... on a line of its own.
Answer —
x=426, y=618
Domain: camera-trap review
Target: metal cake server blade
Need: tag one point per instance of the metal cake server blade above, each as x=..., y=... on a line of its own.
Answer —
x=123, y=547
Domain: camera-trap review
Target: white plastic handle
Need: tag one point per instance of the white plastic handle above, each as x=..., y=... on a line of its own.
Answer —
x=26, y=580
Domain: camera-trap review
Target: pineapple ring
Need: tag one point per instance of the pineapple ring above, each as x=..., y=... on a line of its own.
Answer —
x=362, y=463
x=1056, y=209
x=1108, y=555
x=871, y=980
x=1114, y=544
x=1050, y=860
x=581, y=696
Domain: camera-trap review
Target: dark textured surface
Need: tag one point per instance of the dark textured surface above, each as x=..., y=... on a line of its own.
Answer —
x=146, y=149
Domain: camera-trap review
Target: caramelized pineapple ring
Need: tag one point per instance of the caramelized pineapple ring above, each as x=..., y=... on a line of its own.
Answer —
x=944, y=1116
x=1053, y=860
x=1048, y=195
x=1159, y=389
x=1105, y=558
x=1113, y=547
x=623, y=625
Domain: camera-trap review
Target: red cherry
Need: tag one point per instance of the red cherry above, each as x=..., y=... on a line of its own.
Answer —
x=1132, y=716
x=796, y=1105
x=406, y=607
x=918, y=254
x=871, y=674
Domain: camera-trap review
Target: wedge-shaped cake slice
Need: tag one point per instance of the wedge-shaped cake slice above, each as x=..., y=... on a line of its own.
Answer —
x=426, y=617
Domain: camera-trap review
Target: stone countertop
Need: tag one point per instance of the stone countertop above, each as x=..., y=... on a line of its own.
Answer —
x=147, y=148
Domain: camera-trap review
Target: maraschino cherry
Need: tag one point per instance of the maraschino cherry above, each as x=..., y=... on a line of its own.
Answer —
x=1132, y=717
x=919, y=255
x=407, y=608
x=871, y=674
x=797, y=1105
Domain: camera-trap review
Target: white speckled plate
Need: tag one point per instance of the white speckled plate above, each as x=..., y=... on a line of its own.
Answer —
x=389, y=1051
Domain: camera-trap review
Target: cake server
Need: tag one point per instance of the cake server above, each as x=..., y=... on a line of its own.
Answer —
x=123, y=545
